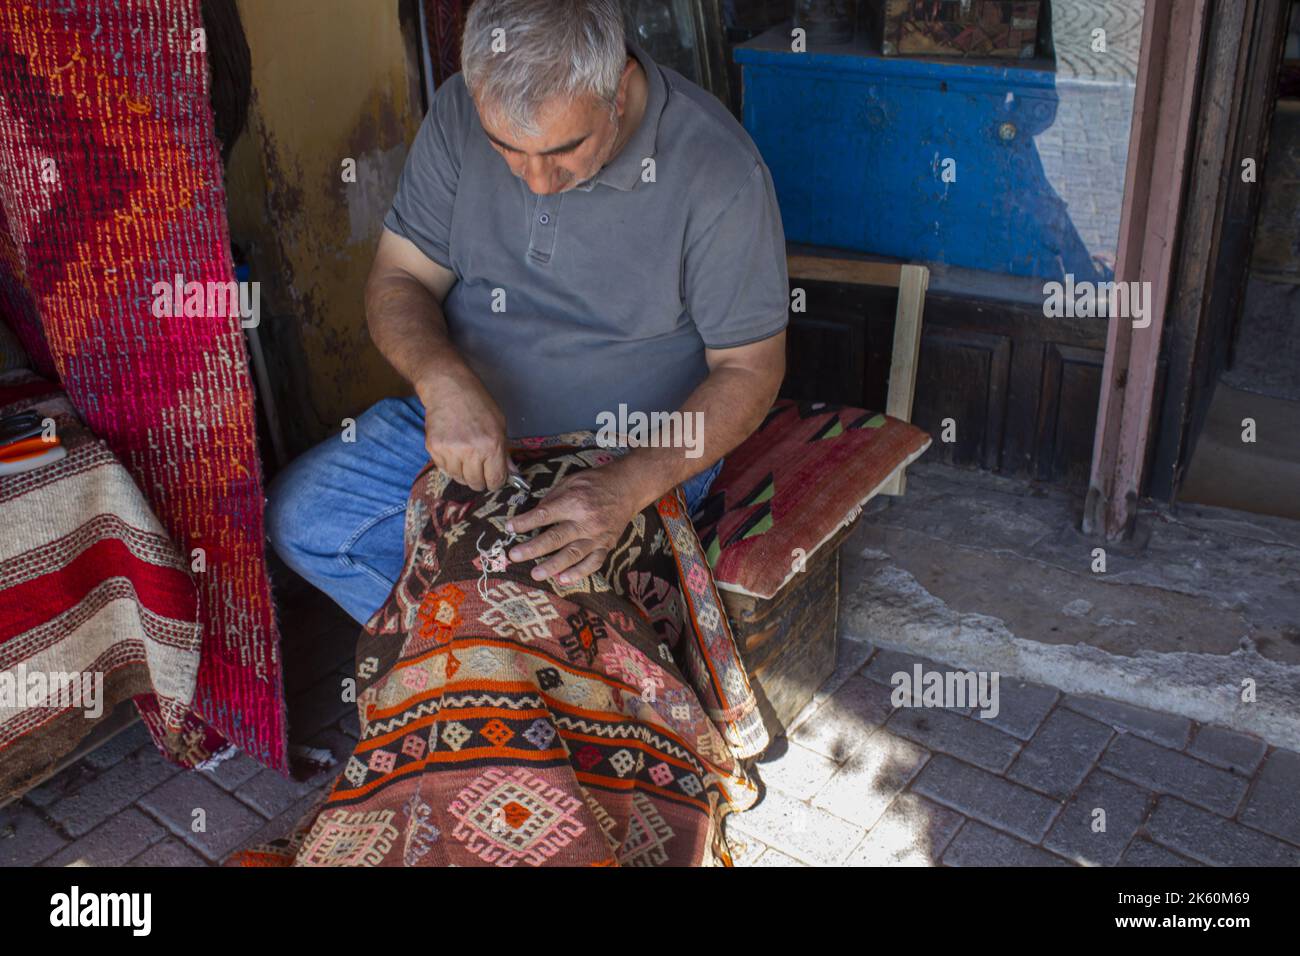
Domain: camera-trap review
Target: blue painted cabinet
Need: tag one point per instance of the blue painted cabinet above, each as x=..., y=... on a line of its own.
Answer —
x=858, y=145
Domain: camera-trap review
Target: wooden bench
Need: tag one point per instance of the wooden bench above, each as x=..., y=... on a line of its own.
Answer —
x=783, y=599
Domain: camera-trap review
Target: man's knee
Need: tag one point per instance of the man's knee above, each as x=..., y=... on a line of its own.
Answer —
x=312, y=505
x=287, y=501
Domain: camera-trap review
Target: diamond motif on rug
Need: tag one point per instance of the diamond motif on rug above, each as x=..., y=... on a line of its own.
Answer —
x=506, y=818
x=513, y=612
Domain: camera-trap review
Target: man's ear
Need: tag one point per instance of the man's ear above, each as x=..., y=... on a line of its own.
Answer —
x=625, y=83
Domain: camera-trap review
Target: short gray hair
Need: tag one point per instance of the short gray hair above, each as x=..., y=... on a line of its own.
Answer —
x=553, y=48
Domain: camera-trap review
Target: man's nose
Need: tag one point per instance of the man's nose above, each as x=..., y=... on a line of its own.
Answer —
x=539, y=174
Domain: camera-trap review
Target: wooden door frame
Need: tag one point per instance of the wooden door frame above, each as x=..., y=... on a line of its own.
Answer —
x=1244, y=53
x=1185, y=228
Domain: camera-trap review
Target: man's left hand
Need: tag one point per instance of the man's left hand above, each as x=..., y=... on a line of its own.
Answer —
x=584, y=515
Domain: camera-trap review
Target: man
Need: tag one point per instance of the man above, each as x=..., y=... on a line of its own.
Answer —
x=575, y=229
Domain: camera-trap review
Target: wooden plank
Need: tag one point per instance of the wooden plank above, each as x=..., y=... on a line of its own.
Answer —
x=1159, y=158
x=907, y=350
x=854, y=271
x=907, y=341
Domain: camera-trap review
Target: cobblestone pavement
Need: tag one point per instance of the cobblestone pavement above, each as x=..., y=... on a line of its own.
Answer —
x=864, y=783
x=857, y=782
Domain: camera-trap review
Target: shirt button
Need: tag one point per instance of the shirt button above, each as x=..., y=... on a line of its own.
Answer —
x=544, y=219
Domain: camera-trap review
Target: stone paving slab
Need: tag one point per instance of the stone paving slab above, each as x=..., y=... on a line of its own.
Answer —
x=1142, y=852
x=1228, y=749
x=850, y=654
x=1167, y=771
x=807, y=833
x=1274, y=804
x=914, y=831
x=1093, y=782
x=1210, y=838
x=125, y=742
x=170, y=852
x=979, y=845
x=987, y=797
x=951, y=733
x=114, y=791
x=26, y=837
x=799, y=772
x=1167, y=729
x=270, y=793
x=226, y=823
x=1099, y=821
x=1060, y=755
x=234, y=771
x=1024, y=707
x=113, y=843
x=846, y=719
x=773, y=857
x=865, y=787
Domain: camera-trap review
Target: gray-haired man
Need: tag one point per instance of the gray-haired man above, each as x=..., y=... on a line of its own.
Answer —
x=576, y=229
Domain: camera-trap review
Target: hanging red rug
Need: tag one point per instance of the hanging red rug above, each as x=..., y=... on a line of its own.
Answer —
x=110, y=182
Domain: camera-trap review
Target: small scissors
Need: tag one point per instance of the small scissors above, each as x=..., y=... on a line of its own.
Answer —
x=522, y=489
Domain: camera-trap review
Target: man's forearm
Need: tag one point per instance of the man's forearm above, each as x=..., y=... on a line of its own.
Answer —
x=407, y=326
x=464, y=430
x=732, y=401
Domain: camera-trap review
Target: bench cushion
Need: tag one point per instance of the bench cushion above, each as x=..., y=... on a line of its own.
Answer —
x=791, y=485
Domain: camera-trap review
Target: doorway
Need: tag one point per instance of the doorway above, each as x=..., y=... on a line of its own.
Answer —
x=1247, y=455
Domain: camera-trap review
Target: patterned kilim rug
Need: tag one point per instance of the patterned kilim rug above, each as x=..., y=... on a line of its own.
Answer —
x=510, y=722
x=110, y=182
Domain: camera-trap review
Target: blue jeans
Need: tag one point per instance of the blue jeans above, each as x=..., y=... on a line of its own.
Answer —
x=337, y=513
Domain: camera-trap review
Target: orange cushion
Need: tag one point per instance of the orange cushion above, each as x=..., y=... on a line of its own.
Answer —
x=791, y=485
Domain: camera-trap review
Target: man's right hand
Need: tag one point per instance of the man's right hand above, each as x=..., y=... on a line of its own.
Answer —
x=464, y=429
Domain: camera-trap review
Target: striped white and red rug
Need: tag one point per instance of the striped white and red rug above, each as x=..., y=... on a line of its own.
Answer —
x=95, y=601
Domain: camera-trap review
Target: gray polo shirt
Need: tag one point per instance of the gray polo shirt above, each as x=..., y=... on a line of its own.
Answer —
x=608, y=293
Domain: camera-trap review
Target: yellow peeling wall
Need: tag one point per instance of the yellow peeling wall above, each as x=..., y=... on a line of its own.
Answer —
x=332, y=80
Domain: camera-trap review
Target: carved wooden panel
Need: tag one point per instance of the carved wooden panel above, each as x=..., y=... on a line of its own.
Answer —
x=1067, y=412
x=962, y=381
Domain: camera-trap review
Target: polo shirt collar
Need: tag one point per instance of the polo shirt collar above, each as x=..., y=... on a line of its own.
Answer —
x=625, y=171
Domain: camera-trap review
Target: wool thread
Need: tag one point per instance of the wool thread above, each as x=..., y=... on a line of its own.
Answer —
x=492, y=559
